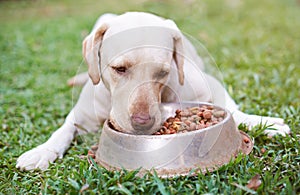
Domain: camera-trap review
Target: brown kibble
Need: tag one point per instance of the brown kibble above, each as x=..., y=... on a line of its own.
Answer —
x=178, y=112
x=183, y=118
x=172, y=131
x=91, y=154
x=193, y=126
x=188, y=122
x=170, y=119
x=194, y=110
x=246, y=140
x=191, y=119
x=200, y=126
x=185, y=113
x=263, y=150
x=196, y=119
x=163, y=129
x=177, y=119
x=208, y=124
x=207, y=114
x=219, y=113
x=166, y=124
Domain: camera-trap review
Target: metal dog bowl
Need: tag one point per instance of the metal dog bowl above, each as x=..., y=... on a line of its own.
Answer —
x=174, y=154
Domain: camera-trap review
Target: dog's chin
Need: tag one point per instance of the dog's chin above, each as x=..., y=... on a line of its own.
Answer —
x=114, y=125
x=142, y=132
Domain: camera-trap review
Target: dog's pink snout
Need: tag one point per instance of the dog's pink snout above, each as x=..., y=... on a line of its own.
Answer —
x=142, y=121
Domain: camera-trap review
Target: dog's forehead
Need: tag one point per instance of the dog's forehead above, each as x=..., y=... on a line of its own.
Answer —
x=144, y=56
x=137, y=39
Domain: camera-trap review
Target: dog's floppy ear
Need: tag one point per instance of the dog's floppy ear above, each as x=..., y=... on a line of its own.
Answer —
x=90, y=48
x=178, y=54
x=178, y=57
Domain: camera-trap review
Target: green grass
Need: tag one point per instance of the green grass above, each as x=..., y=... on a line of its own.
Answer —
x=256, y=45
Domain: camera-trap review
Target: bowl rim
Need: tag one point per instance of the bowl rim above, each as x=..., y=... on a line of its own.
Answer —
x=168, y=136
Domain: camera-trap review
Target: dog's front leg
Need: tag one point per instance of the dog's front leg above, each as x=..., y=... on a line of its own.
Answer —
x=55, y=147
x=89, y=113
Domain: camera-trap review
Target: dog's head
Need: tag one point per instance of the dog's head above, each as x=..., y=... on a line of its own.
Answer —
x=134, y=56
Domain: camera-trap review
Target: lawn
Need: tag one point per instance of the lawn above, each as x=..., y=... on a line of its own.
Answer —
x=256, y=45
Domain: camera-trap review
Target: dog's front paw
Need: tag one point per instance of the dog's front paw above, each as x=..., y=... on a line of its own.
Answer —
x=275, y=125
x=282, y=129
x=37, y=158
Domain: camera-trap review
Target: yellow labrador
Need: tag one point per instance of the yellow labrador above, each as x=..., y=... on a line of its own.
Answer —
x=136, y=61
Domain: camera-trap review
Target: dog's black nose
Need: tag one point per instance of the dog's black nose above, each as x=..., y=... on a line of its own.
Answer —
x=142, y=121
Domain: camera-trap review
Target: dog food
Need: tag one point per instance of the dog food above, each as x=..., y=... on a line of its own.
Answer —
x=92, y=153
x=191, y=119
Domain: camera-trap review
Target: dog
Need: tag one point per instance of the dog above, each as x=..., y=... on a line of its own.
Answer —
x=136, y=61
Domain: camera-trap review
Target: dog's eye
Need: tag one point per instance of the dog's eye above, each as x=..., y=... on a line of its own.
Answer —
x=120, y=70
x=161, y=74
